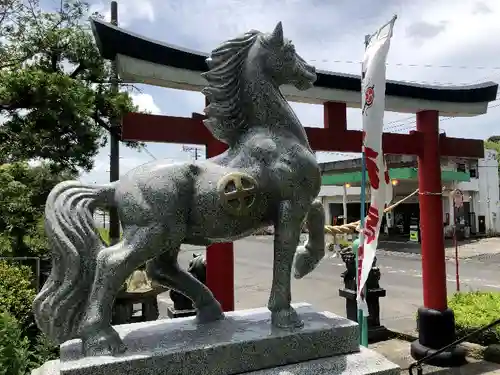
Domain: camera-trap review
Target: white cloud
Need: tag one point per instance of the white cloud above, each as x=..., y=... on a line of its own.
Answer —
x=100, y=173
x=128, y=11
x=428, y=34
x=146, y=103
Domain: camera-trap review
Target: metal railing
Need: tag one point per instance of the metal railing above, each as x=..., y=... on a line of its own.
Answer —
x=418, y=364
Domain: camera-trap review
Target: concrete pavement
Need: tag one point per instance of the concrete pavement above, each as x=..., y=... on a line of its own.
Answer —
x=401, y=276
x=471, y=248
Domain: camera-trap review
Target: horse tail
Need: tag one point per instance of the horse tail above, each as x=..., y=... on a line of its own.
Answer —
x=75, y=244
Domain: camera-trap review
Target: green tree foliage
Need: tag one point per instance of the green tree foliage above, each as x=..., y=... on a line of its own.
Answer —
x=17, y=292
x=14, y=347
x=56, y=101
x=493, y=143
x=22, y=346
x=23, y=192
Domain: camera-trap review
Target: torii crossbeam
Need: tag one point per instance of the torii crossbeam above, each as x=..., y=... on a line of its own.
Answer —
x=141, y=60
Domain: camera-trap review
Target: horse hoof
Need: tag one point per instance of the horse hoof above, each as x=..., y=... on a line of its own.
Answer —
x=209, y=313
x=105, y=342
x=286, y=318
x=306, y=261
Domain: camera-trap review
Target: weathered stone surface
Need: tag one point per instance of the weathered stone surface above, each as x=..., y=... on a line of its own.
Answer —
x=245, y=341
x=362, y=363
x=48, y=368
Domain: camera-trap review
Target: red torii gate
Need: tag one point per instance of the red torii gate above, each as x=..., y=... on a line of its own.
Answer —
x=146, y=61
x=334, y=136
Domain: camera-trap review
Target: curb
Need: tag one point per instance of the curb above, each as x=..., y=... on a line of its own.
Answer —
x=406, y=336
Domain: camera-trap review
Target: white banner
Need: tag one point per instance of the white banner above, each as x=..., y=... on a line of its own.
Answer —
x=373, y=106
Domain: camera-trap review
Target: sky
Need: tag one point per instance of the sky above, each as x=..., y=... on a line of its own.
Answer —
x=443, y=42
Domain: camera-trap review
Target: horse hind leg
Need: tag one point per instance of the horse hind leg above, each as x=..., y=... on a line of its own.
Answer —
x=165, y=270
x=114, y=264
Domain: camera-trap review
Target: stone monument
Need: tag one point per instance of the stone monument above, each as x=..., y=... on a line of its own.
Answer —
x=268, y=176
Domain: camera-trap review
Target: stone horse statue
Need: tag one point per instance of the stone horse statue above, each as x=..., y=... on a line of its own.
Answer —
x=268, y=176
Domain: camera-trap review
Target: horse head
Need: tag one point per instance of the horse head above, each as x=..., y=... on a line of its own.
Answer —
x=282, y=63
x=254, y=62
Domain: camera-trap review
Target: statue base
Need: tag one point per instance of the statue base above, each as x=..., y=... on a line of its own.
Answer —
x=243, y=343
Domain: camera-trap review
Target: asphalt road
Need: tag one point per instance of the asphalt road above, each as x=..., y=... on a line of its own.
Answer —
x=401, y=277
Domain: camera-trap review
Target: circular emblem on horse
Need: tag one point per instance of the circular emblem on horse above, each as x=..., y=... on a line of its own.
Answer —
x=237, y=192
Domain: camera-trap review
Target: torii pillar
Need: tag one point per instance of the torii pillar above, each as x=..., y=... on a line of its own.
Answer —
x=436, y=322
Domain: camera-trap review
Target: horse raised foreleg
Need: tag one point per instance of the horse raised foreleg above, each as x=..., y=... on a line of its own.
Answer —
x=308, y=256
x=286, y=238
x=114, y=265
x=165, y=270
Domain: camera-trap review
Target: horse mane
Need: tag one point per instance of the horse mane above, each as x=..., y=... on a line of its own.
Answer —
x=226, y=119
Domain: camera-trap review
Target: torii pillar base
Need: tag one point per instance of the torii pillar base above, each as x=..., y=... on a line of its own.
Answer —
x=435, y=322
x=436, y=329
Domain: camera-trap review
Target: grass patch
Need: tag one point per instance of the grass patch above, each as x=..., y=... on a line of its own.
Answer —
x=474, y=310
x=104, y=233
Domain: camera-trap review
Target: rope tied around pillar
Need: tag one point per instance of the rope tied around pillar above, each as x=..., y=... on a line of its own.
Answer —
x=430, y=193
x=354, y=226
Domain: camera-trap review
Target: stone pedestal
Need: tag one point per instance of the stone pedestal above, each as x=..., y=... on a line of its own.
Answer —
x=243, y=343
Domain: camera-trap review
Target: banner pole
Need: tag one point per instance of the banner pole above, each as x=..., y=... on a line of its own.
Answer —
x=372, y=81
x=362, y=319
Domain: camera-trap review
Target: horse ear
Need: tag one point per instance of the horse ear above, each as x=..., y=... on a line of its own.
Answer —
x=276, y=37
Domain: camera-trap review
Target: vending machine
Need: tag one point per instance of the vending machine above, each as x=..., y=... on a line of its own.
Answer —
x=414, y=229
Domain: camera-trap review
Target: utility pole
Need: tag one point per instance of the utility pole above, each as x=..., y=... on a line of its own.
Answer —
x=114, y=156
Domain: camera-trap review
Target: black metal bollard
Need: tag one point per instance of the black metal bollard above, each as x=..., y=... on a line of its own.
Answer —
x=183, y=306
x=376, y=331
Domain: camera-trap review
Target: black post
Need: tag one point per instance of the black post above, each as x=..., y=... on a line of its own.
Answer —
x=183, y=306
x=114, y=157
x=376, y=331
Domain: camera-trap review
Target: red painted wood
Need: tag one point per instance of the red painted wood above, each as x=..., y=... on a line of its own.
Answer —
x=144, y=127
x=220, y=257
x=460, y=147
x=431, y=213
x=153, y=128
x=335, y=116
x=333, y=137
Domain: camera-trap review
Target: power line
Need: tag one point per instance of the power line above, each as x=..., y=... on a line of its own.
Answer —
x=407, y=125
x=405, y=65
x=144, y=148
